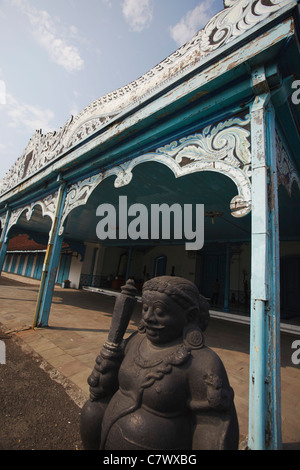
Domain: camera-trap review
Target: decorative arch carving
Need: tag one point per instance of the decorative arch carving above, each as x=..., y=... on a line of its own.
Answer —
x=238, y=17
x=86, y=127
x=2, y=221
x=47, y=204
x=223, y=148
x=78, y=195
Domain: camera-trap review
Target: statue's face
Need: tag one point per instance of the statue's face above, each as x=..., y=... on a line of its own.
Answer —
x=163, y=318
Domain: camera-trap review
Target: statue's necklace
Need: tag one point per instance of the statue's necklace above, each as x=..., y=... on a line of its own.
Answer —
x=175, y=355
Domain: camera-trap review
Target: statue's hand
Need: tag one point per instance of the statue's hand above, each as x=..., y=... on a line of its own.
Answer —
x=103, y=381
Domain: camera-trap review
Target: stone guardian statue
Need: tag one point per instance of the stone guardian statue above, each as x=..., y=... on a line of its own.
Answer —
x=162, y=388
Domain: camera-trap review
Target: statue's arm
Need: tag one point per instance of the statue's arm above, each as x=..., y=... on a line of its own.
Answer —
x=211, y=403
x=103, y=383
x=103, y=380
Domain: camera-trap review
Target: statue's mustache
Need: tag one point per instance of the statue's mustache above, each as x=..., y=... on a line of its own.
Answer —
x=150, y=325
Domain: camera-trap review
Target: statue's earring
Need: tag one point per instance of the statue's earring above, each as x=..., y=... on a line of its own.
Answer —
x=193, y=337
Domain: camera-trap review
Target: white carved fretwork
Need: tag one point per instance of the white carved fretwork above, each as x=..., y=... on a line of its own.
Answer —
x=223, y=148
x=227, y=141
x=238, y=17
x=47, y=204
x=77, y=195
x=2, y=221
x=87, y=128
x=287, y=174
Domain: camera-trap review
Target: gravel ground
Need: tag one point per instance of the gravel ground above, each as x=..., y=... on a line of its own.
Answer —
x=36, y=412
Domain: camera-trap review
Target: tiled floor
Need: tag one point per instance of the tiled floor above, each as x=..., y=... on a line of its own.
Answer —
x=78, y=326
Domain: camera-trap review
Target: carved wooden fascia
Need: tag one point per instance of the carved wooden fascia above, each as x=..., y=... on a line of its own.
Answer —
x=2, y=221
x=78, y=195
x=47, y=204
x=238, y=17
x=223, y=148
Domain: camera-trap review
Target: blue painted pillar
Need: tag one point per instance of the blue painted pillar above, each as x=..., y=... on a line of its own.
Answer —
x=51, y=263
x=273, y=366
x=264, y=384
x=4, y=240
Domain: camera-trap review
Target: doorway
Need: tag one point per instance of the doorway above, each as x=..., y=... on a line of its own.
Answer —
x=160, y=265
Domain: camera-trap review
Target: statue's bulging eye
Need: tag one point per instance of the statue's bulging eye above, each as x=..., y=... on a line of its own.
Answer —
x=159, y=312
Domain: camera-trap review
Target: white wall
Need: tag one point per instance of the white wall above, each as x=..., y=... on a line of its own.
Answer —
x=75, y=272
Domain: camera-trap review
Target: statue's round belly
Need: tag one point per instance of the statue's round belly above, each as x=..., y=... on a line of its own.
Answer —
x=141, y=429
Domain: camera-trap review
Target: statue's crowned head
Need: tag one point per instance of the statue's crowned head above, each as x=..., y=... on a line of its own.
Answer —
x=169, y=304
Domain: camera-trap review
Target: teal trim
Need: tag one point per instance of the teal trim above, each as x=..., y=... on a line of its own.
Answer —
x=28, y=269
x=14, y=263
x=21, y=264
x=7, y=262
x=38, y=266
x=64, y=268
x=273, y=360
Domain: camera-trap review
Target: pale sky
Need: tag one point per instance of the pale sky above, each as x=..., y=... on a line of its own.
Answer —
x=58, y=56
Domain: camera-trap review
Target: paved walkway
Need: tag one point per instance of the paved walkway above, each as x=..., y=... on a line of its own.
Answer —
x=78, y=326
